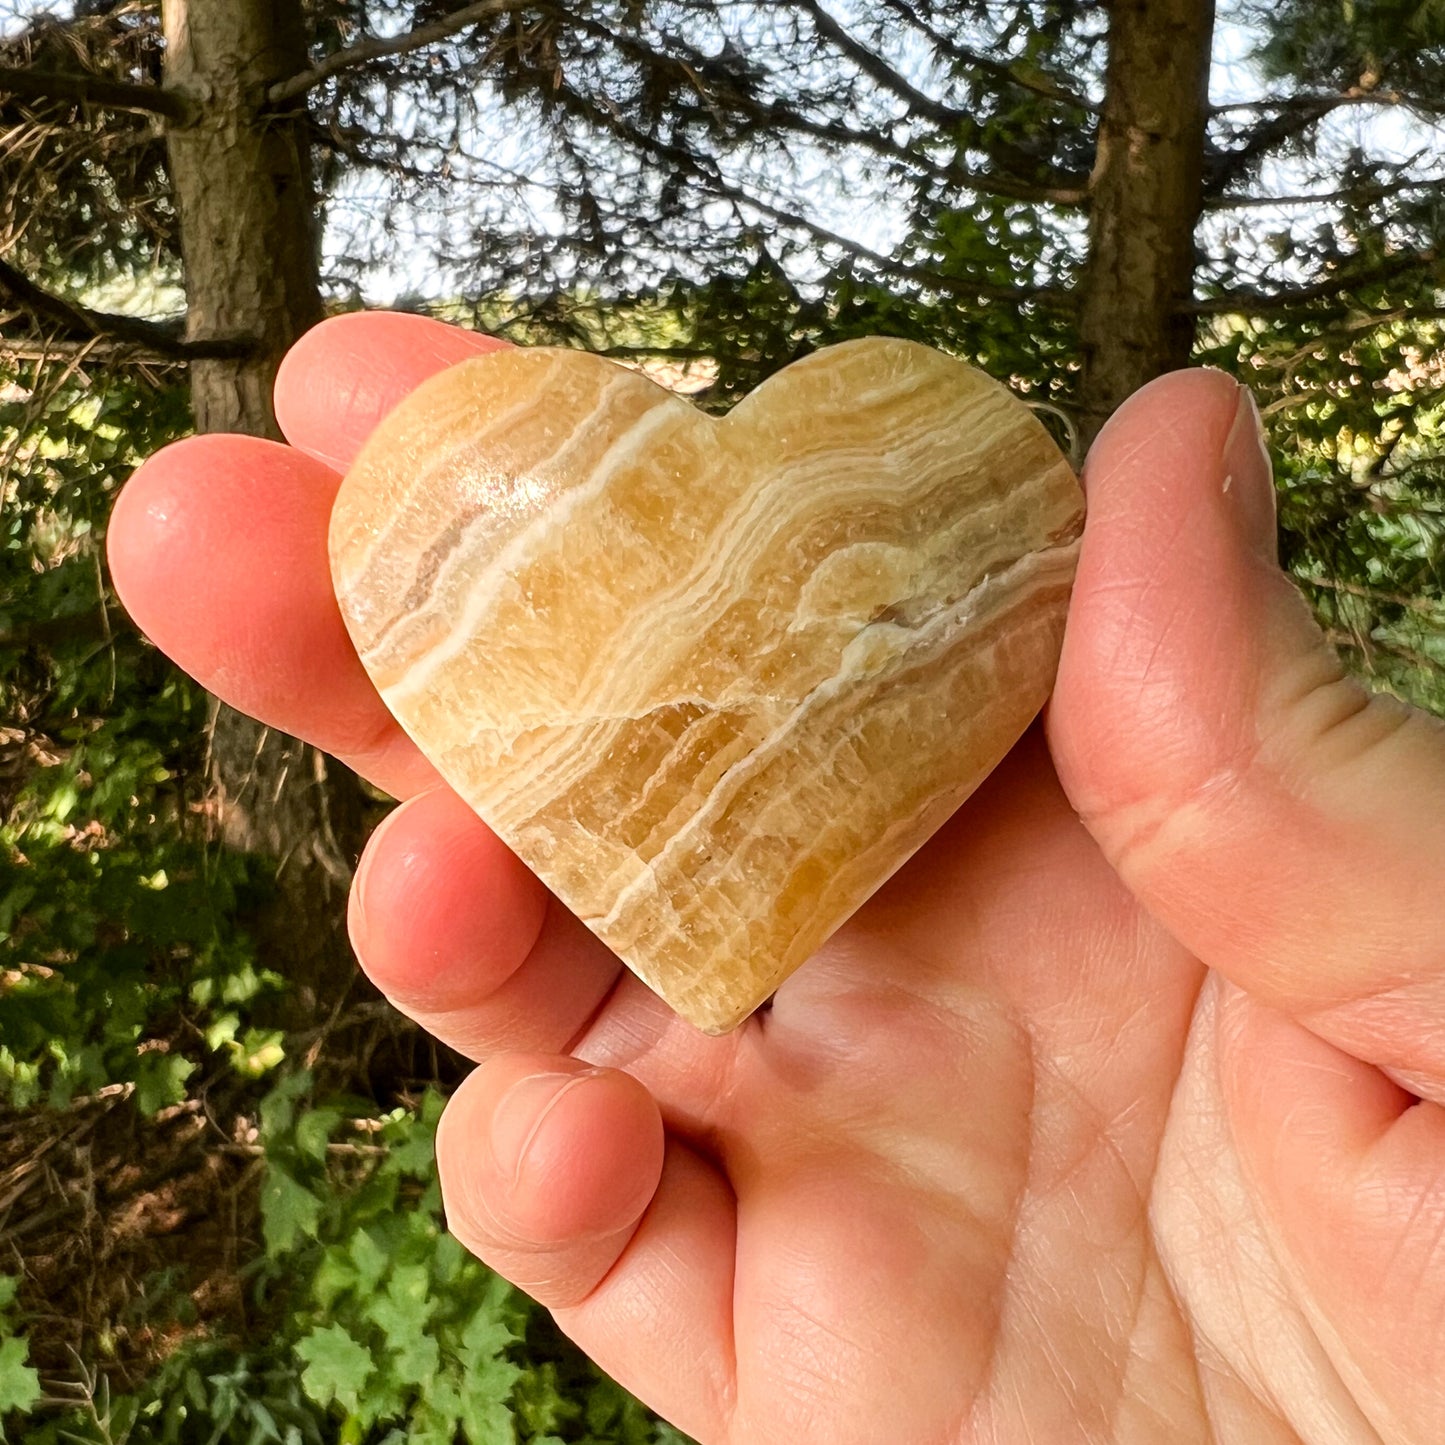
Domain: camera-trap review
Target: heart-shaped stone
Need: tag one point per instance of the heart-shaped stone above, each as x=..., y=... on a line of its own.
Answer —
x=714, y=680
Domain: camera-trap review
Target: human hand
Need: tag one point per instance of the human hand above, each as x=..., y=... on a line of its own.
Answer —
x=1099, y=1122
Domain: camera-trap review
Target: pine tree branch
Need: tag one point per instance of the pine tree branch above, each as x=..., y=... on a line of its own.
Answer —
x=780, y=116
x=1223, y=167
x=1348, y=641
x=1326, y=101
x=1353, y=194
x=1005, y=73
x=97, y=349
x=954, y=172
x=29, y=84
x=80, y=322
x=365, y=51
x=1430, y=606
x=1264, y=302
x=709, y=177
x=877, y=69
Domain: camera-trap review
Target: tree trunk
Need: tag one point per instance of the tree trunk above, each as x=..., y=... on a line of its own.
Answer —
x=1146, y=195
x=245, y=200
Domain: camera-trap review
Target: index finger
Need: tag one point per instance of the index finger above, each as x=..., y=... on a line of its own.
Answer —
x=217, y=545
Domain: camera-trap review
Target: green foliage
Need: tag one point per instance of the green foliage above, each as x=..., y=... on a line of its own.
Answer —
x=125, y=961
x=374, y=1326
x=1356, y=412
x=117, y=916
x=19, y=1381
x=729, y=187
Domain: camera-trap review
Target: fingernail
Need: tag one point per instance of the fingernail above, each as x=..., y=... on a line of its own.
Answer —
x=521, y=1112
x=1249, y=477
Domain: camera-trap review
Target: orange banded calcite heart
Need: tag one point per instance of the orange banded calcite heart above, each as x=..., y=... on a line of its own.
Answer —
x=714, y=680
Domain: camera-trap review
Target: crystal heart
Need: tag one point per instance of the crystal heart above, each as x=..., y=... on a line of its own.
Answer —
x=714, y=680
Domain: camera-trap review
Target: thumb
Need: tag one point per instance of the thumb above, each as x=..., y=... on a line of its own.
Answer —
x=1284, y=825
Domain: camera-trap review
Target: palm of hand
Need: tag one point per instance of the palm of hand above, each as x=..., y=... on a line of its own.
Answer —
x=1005, y=1162
x=941, y=1142
x=982, y=1177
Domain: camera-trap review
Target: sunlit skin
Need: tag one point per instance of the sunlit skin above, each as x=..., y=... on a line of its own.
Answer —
x=1119, y=1115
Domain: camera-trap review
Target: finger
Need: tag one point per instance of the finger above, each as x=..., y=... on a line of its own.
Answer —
x=217, y=547
x=344, y=375
x=1350, y=1172
x=464, y=939
x=1280, y=823
x=217, y=544
x=557, y=1176
x=455, y=930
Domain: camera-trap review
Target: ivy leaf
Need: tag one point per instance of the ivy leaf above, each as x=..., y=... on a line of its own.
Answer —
x=436, y=1419
x=314, y=1129
x=417, y=1360
x=289, y=1212
x=403, y=1313
x=369, y=1258
x=19, y=1383
x=484, y=1340
x=337, y=1366
x=160, y=1080
x=416, y=1154
x=487, y=1422
x=278, y=1108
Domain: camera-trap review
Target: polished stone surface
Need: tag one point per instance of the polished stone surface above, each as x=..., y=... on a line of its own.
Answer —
x=715, y=681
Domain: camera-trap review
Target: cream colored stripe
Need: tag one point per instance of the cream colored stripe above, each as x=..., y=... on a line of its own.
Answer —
x=525, y=545
x=630, y=678
x=358, y=560
x=859, y=662
x=390, y=648
x=621, y=682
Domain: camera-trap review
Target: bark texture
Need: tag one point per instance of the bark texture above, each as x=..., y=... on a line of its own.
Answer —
x=244, y=196
x=245, y=199
x=1146, y=195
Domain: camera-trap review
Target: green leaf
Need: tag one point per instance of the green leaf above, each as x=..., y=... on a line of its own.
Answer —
x=417, y=1360
x=19, y=1383
x=487, y=1422
x=278, y=1108
x=369, y=1258
x=484, y=1340
x=314, y=1130
x=289, y=1212
x=160, y=1080
x=337, y=1367
x=416, y=1154
x=403, y=1314
x=406, y=1306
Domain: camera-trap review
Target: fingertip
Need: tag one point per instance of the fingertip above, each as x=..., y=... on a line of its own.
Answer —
x=138, y=519
x=584, y=1160
x=442, y=912
x=546, y=1167
x=1154, y=684
x=217, y=549
x=1192, y=410
x=339, y=380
